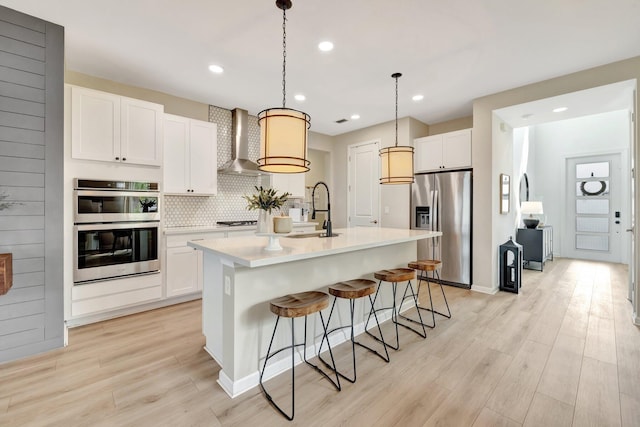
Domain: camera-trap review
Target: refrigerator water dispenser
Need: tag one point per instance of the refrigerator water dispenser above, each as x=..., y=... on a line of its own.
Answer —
x=422, y=217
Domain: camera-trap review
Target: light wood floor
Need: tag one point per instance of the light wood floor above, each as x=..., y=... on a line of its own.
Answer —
x=563, y=352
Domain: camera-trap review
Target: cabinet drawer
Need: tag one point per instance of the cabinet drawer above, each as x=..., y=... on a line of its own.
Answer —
x=113, y=294
x=178, y=240
x=115, y=301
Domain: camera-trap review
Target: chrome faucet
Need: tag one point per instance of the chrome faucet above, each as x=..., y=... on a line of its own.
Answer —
x=327, y=223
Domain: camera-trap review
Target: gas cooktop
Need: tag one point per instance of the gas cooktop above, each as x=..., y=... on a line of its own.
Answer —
x=237, y=223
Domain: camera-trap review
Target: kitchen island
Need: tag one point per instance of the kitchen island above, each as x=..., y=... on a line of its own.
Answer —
x=240, y=277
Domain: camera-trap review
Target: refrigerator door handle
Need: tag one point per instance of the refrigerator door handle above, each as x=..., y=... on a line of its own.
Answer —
x=436, y=217
x=431, y=210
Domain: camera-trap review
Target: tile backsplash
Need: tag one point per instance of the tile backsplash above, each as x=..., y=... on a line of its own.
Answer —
x=228, y=204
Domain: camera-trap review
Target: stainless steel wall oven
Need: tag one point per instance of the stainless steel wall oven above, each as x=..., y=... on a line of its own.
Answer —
x=117, y=229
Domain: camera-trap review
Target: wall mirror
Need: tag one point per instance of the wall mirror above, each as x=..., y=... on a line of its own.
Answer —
x=524, y=188
x=505, y=190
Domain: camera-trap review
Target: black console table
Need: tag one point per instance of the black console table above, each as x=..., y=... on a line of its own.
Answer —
x=537, y=245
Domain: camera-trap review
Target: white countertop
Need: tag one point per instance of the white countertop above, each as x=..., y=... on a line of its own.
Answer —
x=223, y=228
x=249, y=251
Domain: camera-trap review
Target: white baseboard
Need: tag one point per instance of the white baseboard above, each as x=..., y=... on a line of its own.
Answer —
x=484, y=290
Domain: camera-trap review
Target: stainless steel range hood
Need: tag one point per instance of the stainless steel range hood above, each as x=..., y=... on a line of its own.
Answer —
x=239, y=163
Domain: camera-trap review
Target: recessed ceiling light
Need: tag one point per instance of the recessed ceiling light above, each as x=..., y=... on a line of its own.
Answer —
x=216, y=69
x=418, y=97
x=560, y=109
x=300, y=97
x=325, y=46
x=355, y=116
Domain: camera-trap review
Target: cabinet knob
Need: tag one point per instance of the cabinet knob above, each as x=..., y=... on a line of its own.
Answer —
x=117, y=158
x=124, y=159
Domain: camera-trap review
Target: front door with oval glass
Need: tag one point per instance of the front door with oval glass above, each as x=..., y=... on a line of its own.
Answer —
x=594, y=208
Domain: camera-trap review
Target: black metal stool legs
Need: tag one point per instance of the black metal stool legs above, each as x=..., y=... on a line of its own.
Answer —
x=433, y=312
x=448, y=315
x=374, y=311
x=415, y=300
x=395, y=313
x=353, y=341
x=425, y=278
x=292, y=347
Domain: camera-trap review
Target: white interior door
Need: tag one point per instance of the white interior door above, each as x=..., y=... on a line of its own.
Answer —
x=594, y=208
x=364, y=188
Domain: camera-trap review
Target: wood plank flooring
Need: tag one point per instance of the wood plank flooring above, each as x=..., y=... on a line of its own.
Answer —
x=561, y=353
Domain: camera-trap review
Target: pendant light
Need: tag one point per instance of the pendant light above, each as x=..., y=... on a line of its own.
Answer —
x=283, y=131
x=397, y=161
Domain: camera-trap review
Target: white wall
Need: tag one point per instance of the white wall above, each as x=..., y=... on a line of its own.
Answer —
x=503, y=225
x=394, y=196
x=552, y=143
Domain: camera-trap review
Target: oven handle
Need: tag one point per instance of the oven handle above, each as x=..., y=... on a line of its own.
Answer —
x=116, y=226
x=112, y=193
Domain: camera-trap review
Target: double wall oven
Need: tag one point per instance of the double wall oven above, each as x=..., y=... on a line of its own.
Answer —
x=116, y=229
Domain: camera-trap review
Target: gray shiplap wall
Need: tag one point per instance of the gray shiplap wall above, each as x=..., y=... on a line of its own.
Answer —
x=31, y=179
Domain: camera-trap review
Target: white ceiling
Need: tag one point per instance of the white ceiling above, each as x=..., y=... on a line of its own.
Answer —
x=601, y=99
x=450, y=51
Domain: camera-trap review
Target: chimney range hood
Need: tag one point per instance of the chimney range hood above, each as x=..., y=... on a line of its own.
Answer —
x=239, y=163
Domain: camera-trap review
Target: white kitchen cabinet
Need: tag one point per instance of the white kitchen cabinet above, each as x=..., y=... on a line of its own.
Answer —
x=190, y=160
x=292, y=183
x=112, y=128
x=450, y=150
x=97, y=298
x=184, y=263
x=184, y=271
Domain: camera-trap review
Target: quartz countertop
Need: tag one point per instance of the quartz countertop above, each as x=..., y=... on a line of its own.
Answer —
x=249, y=251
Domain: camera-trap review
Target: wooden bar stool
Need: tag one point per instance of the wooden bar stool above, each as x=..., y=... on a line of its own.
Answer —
x=394, y=276
x=352, y=290
x=425, y=267
x=292, y=306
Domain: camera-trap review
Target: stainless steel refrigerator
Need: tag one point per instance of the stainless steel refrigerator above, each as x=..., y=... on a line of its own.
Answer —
x=442, y=201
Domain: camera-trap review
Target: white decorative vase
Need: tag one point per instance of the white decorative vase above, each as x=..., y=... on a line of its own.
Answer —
x=265, y=222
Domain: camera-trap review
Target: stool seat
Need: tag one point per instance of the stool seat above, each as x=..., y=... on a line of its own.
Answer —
x=353, y=289
x=395, y=274
x=300, y=304
x=425, y=265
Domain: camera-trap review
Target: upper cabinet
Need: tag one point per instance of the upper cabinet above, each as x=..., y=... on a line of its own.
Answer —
x=112, y=128
x=292, y=183
x=190, y=156
x=450, y=150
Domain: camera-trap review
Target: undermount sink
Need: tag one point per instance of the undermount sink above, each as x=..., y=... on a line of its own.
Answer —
x=305, y=235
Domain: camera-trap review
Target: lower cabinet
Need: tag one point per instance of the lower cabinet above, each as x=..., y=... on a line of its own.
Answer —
x=537, y=245
x=184, y=271
x=110, y=295
x=183, y=264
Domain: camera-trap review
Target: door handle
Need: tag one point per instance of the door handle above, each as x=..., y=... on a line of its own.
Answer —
x=375, y=221
x=630, y=230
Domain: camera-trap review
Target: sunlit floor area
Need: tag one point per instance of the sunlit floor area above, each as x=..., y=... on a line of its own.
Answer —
x=562, y=352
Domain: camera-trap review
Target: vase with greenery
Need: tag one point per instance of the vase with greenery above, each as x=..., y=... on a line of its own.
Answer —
x=265, y=200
